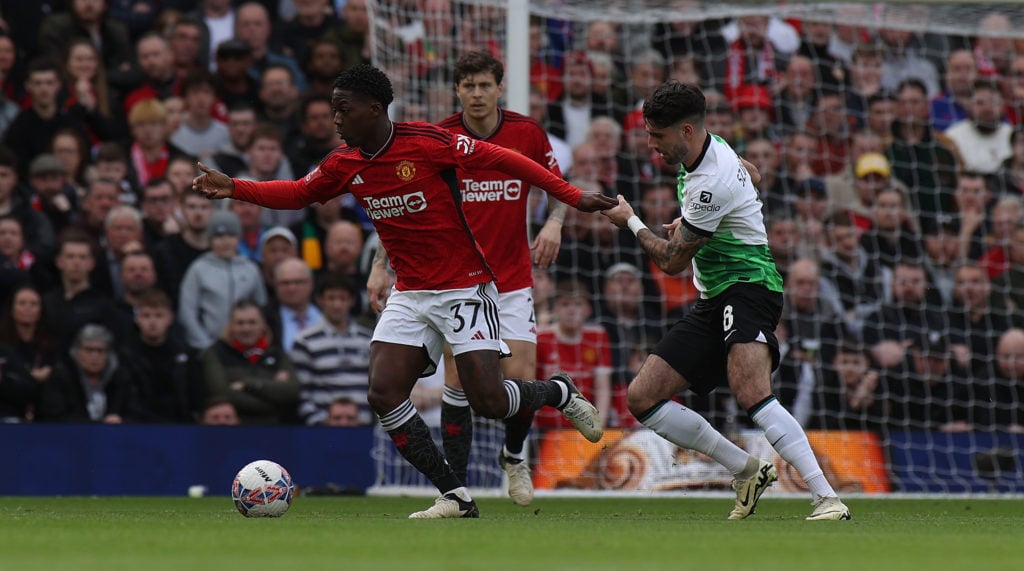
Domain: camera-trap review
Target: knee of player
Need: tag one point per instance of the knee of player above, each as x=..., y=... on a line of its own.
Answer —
x=638, y=400
x=490, y=405
x=383, y=401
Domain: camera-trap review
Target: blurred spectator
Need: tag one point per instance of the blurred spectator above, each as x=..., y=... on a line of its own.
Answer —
x=343, y=246
x=73, y=302
x=89, y=98
x=18, y=390
x=1007, y=214
x=354, y=37
x=812, y=328
x=721, y=120
x=691, y=37
x=892, y=236
x=18, y=264
x=993, y=46
x=342, y=412
x=200, y=132
x=100, y=198
x=49, y=195
x=798, y=150
x=88, y=19
x=543, y=297
x=810, y=208
x=974, y=328
x=253, y=26
x=942, y=250
x=577, y=347
x=158, y=221
x=765, y=156
x=569, y=117
x=951, y=105
x=754, y=52
x=37, y=231
x=983, y=139
x=1009, y=179
x=922, y=158
x=784, y=243
x=166, y=371
x=313, y=20
x=32, y=130
x=871, y=173
x=815, y=45
x=249, y=215
x=849, y=397
x=277, y=244
x=150, y=150
x=754, y=113
x=1014, y=92
x=971, y=198
x=319, y=135
x=1008, y=287
x=292, y=310
x=323, y=63
x=176, y=253
x=111, y=164
x=219, y=17
x=216, y=281
x=628, y=322
x=605, y=134
x=181, y=170
x=186, y=43
x=90, y=386
x=1009, y=391
x=880, y=117
x=231, y=158
x=926, y=389
x=234, y=84
x=71, y=148
x=903, y=319
x=174, y=105
x=122, y=236
x=266, y=161
x=254, y=373
x=312, y=230
x=849, y=272
x=865, y=82
x=828, y=121
x=24, y=330
x=796, y=95
x=156, y=62
x=332, y=357
x=219, y=411
x=841, y=185
x=280, y=102
x=903, y=52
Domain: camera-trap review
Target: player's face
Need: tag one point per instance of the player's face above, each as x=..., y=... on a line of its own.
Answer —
x=671, y=142
x=354, y=117
x=479, y=94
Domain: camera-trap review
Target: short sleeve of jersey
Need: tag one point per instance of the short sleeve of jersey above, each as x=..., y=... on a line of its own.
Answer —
x=707, y=200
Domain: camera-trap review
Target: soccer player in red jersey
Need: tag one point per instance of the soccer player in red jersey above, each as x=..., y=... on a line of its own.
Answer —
x=495, y=204
x=403, y=174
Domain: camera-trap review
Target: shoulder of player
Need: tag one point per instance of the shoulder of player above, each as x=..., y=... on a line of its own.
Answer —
x=453, y=121
x=519, y=121
x=423, y=130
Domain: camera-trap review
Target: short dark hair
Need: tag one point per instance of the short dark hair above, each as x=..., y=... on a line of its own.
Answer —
x=310, y=99
x=368, y=81
x=334, y=280
x=8, y=158
x=111, y=152
x=155, y=298
x=198, y=78
x=42, y=64
x=478, y=61
x=674, y=102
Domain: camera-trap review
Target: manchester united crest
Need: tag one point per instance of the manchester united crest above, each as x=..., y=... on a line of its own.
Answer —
x=405, y=170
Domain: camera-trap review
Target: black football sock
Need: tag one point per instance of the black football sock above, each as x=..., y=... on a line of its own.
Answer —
x=457, y=431
x=412, y=438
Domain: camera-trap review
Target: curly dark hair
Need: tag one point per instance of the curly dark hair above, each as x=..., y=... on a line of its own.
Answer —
x=674, y=102
x=367, y=81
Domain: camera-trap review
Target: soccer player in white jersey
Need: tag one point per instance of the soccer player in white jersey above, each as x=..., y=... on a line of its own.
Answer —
x=728, y=336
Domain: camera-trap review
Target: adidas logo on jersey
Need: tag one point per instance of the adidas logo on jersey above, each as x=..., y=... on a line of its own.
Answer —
x=478, y=335
x=357, y=180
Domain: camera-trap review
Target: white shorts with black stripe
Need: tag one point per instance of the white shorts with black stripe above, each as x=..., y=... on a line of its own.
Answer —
x=466, y=319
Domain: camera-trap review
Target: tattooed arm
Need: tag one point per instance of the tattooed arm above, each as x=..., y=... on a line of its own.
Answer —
x=672, y=255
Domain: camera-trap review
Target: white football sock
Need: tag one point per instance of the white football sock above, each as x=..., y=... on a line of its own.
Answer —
x=687, y=429
x=789, y=440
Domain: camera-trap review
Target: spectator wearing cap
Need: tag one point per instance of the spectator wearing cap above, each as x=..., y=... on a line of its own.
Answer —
x=234, y=85
x=871, y=173
x=50, y=194
x=215, y=281
x=276, y=245
x=32, y=130
x=38, y=235
x=755, y=113
x=840, y=185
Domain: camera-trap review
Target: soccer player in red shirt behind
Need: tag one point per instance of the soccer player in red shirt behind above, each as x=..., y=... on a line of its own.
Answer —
x=496, y=209
x=403, y=174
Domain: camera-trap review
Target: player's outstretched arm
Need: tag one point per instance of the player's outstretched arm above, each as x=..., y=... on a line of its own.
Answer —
x=212, y=183
x=595, y=201
x=672, y=255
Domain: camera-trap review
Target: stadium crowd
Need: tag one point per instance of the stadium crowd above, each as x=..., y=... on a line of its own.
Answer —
x=892, y=175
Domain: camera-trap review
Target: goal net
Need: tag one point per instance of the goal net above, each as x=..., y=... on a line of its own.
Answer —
x=888, y=139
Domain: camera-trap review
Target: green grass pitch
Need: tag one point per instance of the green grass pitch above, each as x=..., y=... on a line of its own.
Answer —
x=346, y=533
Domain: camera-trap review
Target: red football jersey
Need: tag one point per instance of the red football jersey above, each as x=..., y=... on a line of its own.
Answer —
x=582, y=359
x=409, y=189
x=495, y=203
